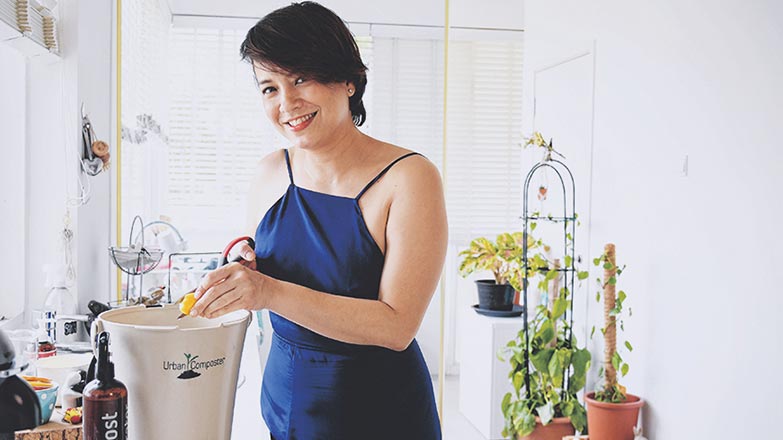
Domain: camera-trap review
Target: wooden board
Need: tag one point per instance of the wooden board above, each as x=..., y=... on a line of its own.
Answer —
x=54, y=430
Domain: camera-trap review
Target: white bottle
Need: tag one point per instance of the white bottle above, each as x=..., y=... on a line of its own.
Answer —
x=60, y=300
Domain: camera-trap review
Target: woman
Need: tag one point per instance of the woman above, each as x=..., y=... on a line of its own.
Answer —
x=349, y=248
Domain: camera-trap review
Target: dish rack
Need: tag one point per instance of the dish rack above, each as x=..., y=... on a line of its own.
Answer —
x=135, y=259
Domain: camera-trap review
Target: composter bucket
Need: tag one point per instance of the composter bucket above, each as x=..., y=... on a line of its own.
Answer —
x=181, y=375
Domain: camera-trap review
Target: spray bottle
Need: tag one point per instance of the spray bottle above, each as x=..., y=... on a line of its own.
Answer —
x=105, y=400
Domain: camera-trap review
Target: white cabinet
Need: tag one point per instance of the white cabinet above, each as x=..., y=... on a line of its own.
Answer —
x=483, y=378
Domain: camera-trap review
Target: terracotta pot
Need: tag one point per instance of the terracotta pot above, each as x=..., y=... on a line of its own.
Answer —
x=558, y=428
x=612, y=421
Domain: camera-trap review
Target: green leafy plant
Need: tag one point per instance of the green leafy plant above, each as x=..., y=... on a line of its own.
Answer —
x=614, y=309
x=503, y=258
x=558, y=368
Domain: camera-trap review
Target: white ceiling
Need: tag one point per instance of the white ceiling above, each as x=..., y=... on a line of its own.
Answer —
x=500, y=14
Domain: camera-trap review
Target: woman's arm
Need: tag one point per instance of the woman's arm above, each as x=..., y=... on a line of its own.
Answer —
x=416, y=238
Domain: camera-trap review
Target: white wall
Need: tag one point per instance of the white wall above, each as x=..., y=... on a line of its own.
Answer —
x=703, y=80
x=12, y=196
x=41, y=128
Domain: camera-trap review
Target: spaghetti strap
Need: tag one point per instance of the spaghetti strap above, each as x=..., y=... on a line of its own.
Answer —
x=372, y=182
x=288, y=165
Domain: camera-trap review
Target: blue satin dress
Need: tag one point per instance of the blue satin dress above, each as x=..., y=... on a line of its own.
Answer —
x=315, y=387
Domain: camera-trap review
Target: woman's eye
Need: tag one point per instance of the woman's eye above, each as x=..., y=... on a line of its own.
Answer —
x=299, y=80
x=267, y=90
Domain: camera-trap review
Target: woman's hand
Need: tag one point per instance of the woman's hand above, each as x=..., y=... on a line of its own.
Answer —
x=235, y=286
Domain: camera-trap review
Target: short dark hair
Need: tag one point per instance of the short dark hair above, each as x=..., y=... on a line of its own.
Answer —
x=309, y=39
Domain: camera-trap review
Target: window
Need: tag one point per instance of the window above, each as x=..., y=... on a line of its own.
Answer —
x=216, y=132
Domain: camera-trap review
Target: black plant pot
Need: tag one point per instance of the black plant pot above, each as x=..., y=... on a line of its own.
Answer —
x=494, y=296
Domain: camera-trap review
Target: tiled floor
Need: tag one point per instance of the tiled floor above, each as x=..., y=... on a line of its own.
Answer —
x=247, y=415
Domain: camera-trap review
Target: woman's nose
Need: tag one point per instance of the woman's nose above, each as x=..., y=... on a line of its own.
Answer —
x=289, y=100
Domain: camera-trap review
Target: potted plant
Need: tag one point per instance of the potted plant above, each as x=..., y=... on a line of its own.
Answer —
x=612, y=412
x=548, y=406
x=502, y=258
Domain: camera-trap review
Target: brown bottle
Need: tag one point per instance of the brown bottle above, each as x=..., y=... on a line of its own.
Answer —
x=105, y=400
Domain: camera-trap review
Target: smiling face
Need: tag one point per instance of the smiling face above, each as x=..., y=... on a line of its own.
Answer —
x=308, y=113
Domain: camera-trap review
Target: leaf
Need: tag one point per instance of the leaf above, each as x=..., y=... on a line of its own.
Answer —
x=557, y=364
x=505, y=403
x=518, y=380
x=612, y=281
x=582, y=275
x=567, y=408
x=560, y=306
x=579, y=418
x=527, y=423
x=592, y=332
x=616, y=360
x=598, y=296
x=540, y=360
x=596, y=261
x=624, y=369
x=546, y=413
x=532, y=227
x=580, y=360
x=568, y=260
x=628, y=346
x=545, y=334
x=608, y=265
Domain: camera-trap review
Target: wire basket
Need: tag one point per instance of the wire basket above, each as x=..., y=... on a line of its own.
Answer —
x=135, y=259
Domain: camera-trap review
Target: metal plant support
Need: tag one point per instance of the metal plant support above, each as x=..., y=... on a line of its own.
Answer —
x=568, y=219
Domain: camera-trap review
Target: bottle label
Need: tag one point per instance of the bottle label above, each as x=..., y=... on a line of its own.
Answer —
x=106, y=420
x=70, y=327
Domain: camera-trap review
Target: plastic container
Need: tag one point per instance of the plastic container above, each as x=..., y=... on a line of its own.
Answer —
x=60, y=300
x=181, y=375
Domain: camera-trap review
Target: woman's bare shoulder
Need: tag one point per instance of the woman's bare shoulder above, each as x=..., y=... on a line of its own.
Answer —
x=268, y=184
x=415, y=169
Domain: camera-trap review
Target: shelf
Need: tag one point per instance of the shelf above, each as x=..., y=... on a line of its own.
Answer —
x=31, y=43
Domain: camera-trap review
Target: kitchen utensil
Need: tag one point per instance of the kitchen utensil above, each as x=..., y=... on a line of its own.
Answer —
x=91, y=164
x=135, y=259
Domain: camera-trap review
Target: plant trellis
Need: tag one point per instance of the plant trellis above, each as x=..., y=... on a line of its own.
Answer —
x=568, y=219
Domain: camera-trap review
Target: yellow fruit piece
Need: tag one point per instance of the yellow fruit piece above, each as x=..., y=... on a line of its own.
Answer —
x=37, y=379
x=38, y=383
x=188, y=301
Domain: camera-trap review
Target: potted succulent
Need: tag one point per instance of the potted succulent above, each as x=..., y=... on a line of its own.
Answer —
x=548, y=406
x=501, y=257
x=612, y=412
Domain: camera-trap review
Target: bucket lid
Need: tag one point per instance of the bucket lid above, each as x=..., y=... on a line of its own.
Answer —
x=165, y=319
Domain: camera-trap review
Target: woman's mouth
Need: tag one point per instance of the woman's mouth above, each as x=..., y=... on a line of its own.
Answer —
x=301, y=122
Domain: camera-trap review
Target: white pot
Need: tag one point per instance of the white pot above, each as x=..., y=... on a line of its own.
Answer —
x=181, y=375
